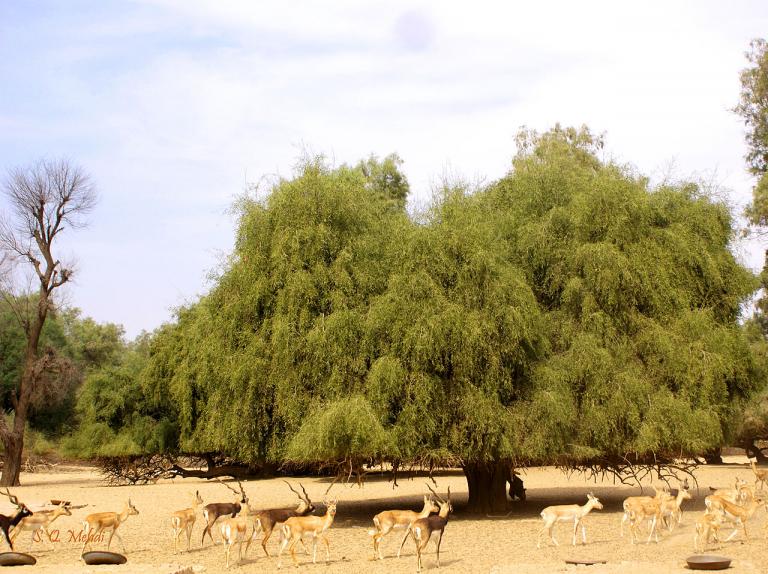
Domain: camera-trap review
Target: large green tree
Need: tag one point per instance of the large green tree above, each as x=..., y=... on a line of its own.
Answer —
x=753, y=108
x=568, y=313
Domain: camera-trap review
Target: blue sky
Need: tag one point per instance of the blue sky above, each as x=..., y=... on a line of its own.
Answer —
x=173, y=106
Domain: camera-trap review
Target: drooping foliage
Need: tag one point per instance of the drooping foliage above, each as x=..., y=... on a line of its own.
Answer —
x=641, y=296
x=568, y=312
x=116, y=418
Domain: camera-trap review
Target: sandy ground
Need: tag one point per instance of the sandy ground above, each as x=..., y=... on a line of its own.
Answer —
x=470, y=544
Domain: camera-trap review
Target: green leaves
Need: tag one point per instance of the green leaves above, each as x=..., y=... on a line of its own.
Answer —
x=565, y=312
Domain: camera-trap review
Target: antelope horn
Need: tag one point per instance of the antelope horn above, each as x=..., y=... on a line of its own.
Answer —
x=294, y=491
x=244, y=498
x=306, y=496
x=11, y=497
x=225, y=484
x=440, y=498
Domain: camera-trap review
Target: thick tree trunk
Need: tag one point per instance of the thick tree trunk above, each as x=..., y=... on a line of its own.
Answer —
x=487, y=487
x=713, y=456
x=754, y=451
x=14, y=444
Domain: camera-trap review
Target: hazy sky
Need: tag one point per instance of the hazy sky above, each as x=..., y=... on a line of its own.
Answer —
x=173, y=105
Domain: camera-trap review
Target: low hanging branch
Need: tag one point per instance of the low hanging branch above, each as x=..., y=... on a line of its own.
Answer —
x=631, y=470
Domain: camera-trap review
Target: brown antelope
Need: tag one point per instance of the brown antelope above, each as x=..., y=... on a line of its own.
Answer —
x=385, y=522
x=296, y=527
x=236, y=530
x=95, y=523
x=761, y=475
x=422, y=529
x=567, y=513
x=184, y=520
x=40, y=520
x=737, y=515
x=7, y=522
x=268, y=519
x=215, y=510
x=707, y=526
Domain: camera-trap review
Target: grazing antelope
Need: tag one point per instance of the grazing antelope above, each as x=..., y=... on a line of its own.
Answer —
x=184, y=520
x=422, y=529
x=215, y=510
x=268, y=519
x=7, y=522
x=761, y=475
x=737, y=515
x=388, y=520
x=567, y=513
x=296, y=527
x=40, y=520
x=236, y=530
x=95, y=523
x=707, y=526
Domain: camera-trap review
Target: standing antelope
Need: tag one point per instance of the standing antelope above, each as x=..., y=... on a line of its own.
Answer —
x=268, y=519
x=761, y=475
x=707, y=526
x=296, y=527
x=738, y=515
x=422, y=529
x=215, y=510
x=566, y=513
x=7, y=522
x=97, y=522
x=738, y=495
x=632, y=502
x=235, y=529
x=40, y=520
x=384, y=522
x=671, y=511
x=638, y=508
x=184, y=520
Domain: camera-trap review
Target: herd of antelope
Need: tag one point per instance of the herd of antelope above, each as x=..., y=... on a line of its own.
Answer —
x=240, y=523
x=724, y=507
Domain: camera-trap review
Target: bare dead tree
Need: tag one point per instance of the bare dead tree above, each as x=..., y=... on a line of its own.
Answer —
x=45, y=199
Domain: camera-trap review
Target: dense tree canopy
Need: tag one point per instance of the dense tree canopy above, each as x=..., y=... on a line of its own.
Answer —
x=569, y=312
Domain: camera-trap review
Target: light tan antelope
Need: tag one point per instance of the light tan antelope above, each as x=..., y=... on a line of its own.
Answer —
x=671, y=509
x=266, y=520
x=568, y=513
x=184, y=520
x=95, y=523
x=737, y=515
x=640, y=508
x=422, y=529
x=632, y=502
x=388, y=520
x=738, y=495
x=761, y=475
x=707, y=527
x=40, y=520
x=297, y=527
x=236, y=530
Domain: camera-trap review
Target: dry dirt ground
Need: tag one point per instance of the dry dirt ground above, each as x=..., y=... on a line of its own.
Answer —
x=470, y=544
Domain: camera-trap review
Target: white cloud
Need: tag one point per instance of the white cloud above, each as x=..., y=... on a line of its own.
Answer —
x=170, y=103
